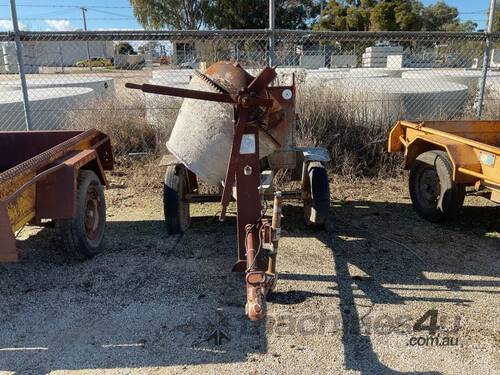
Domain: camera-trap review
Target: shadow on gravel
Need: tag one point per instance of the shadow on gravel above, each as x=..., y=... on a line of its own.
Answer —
x=148, y=300
x=377, y=238
x=153, y=300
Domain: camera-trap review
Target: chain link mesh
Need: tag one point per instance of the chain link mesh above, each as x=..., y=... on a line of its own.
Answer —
x=76, y=79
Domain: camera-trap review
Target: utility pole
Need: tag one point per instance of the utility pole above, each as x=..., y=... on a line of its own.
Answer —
x=20, y=63
x=486, y=58
x=85, y=29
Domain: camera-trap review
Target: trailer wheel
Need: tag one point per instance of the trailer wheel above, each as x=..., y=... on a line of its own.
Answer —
x=434, y=194
x=176, y=210
x=83, y=235
x=317, y=191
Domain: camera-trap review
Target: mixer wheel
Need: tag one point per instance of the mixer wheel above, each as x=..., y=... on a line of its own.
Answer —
x=176, y=209
x=317, y=192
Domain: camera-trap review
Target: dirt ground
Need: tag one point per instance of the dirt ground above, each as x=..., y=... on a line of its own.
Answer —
x=346, y=302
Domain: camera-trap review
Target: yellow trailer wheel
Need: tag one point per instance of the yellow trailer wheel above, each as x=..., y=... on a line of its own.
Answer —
x=83, y=235
x=434, y=194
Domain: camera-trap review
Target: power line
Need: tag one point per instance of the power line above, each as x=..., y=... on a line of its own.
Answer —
x=476, y=12
x=68, y=6
x=110, y=13
x=49, y=14
x=71, y=19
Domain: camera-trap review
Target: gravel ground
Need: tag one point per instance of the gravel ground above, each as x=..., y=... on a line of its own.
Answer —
x=346, y=301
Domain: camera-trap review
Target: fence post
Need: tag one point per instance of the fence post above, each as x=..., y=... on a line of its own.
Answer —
x=272, y=16
x=486, y=59
x=20, y=63
x=61, y=57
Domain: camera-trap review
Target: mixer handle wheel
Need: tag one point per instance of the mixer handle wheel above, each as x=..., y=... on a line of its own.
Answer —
x=175, y=207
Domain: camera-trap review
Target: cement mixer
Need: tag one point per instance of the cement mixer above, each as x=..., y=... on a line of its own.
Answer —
x=235, y=131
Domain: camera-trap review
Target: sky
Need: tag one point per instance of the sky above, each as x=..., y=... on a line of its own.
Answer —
x=64, y=15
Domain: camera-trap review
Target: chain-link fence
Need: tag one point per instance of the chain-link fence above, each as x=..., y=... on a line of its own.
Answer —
x=364, y=79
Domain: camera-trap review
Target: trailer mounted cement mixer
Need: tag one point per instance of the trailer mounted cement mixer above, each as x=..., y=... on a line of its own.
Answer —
x=235, y=131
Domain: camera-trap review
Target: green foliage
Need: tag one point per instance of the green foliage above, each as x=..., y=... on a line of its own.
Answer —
x=459, y=26
x=340, y=15
x=170, y=14
x=383, y=17
x=440, y=16
x=407, y=15
x=124, y=48
x=95, y=63
x=390, y=15
x=223, y=14
x=346, y=15
x=238, y=14
x=293, y=14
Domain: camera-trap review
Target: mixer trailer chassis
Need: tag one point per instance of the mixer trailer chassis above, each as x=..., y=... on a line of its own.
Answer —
x=257, y=107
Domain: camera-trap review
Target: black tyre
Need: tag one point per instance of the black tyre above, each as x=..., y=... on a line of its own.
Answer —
x=83, y=235
x=434, y=194
x=317, y=201
x=176, y=210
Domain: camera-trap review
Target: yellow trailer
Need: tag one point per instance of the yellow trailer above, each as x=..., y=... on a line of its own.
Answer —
x=446, y=159
x=56, y=175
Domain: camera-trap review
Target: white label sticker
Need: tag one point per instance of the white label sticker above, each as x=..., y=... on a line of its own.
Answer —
x=287, y=94
x=486, y=158
x=247, y=144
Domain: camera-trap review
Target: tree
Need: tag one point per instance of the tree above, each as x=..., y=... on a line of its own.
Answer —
x=390, y=15
x=396, y=15
x=124, y=48
x=293, y=14
x=383, y=17
x=254, y=14
x=237, y=14
x=350, y=15
x=171, y=14
x=223, y=14
x=442, y=17
x=466, y=26
x=408, y=15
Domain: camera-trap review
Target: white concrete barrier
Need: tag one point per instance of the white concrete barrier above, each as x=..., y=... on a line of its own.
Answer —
x=49, y=108
x=403, y=98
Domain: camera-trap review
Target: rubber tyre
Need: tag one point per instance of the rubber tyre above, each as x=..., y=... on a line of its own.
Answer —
x=316, y=208
x=176, y=210
x=443, y=201
x=83, y=235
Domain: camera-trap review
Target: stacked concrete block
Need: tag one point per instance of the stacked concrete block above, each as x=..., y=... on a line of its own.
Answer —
x=376, y=57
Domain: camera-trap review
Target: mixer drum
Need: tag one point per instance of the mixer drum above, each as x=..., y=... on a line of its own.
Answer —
x=202, y=136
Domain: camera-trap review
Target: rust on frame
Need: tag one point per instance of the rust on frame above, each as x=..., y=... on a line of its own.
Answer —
x=38, y=172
